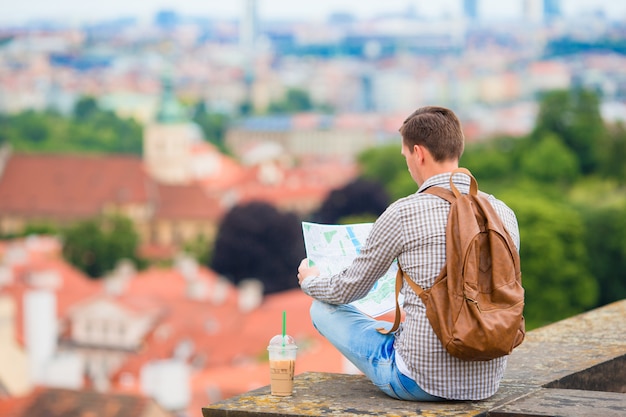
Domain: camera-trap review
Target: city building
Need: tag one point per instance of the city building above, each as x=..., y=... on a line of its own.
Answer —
x=181, y=187
x=178, y=338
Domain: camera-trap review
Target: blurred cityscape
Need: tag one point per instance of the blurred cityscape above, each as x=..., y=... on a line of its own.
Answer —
x=166, y=341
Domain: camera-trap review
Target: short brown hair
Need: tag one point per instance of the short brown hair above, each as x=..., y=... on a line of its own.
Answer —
x=436, y=128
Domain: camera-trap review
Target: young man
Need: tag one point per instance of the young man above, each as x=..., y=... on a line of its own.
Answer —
x=410, y=364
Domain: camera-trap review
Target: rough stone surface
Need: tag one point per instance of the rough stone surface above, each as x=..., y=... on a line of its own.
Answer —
x=565, y=402
x=327, y=394
x=569, y=346
x=585, y=354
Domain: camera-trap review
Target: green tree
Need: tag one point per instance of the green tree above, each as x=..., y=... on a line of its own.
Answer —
x=246, y=108
x=555, y=267
x=255, y=240
x=295, y=100
x=361, y=198
x=93, y=131
x=402, y=186
x=85, y=107
x=40, y=228
x=386, y=165
x=613, y=154
x=200, y=248
x=605, y=239
x=382, y=163
x=493, y=160
x=213, y=125
x=96, y=245
x=298, y=99
x=550, y=161
x=32, y=128
x=574, y=116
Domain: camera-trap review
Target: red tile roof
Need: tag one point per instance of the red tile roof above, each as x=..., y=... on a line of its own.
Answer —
x=69, y=186
x=302, y=188
x=169, y=284
x=68, y=284
x=200, y=311
x=45, y=402
x=73, y=186
x=186, y=202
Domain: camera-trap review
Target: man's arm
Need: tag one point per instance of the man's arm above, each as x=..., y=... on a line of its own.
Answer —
x=383, y=245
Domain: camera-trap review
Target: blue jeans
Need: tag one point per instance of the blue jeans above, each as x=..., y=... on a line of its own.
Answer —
x=354, y=334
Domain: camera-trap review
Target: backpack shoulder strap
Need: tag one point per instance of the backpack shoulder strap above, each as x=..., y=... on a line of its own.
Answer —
x=400, y=276
x=442, y=193
x=396, y=322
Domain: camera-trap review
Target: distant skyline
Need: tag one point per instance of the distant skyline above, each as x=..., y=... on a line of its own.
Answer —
x=80, y=11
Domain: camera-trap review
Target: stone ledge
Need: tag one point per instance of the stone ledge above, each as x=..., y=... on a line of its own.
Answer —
x=326, y=394
x=585, y=353
x=564, y=402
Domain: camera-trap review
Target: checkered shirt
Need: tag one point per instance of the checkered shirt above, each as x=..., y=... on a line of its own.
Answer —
x=413, y=230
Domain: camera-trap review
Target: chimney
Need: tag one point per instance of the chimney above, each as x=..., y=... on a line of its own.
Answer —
x=40, y=330
x=15, y=254
x=189, y=269
x=220, y=290
x=250, y=294
x=115, y=283
x=197, y=290
x=167, y=381
x=187, y=266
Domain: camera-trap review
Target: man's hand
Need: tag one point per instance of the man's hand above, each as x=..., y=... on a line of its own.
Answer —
x=305, y=271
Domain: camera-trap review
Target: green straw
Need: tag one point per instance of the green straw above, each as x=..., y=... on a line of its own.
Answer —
x=284, y=325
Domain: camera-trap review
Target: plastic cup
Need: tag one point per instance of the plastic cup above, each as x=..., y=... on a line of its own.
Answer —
x=282, y=354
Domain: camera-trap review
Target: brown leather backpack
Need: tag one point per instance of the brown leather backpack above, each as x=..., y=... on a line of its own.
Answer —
x=476, y=304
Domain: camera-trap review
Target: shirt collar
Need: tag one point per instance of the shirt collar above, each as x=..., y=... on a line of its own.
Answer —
x=443, y=180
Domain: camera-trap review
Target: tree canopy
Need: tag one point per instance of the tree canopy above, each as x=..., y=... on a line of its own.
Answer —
x=362, y=198
x=257, y=241
x=213, y=125
x=88, y=130
x=573, y=116
x=96, y=245
x=605, y=234
x=554, y=258
x=295, y=100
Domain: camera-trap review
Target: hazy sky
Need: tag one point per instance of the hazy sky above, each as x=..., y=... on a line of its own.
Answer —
x=18, y=11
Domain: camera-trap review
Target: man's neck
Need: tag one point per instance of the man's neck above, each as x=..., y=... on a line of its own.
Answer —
x=440, y=168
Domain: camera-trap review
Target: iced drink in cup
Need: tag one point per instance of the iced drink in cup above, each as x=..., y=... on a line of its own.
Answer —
x=282, y=353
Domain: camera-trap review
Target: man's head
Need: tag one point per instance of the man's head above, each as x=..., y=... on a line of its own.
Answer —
x=437, y=129
x=432, y=142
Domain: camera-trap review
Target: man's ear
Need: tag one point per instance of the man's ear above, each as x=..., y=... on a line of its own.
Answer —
x=419, y=152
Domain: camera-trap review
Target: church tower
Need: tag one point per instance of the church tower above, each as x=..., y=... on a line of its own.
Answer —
x=168, y=140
